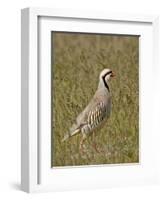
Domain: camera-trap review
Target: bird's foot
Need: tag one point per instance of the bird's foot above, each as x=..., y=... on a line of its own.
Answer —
x=97, y=149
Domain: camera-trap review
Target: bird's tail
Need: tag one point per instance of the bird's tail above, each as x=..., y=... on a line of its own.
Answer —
x=70, y=134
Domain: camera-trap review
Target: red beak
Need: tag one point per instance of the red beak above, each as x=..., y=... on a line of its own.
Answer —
x=112, y=74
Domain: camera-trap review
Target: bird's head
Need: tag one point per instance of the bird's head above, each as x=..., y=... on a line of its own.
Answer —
x=105, y=76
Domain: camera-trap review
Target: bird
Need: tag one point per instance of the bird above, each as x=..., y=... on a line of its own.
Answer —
x=96, y=113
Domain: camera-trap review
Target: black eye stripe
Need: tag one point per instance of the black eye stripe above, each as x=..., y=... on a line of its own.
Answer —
x=103, y=77
x=107, y=74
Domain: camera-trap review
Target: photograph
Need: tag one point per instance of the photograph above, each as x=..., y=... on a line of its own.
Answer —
x=94, y=99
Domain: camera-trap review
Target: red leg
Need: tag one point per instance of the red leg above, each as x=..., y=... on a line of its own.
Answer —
x=95, y=145
x=81, y=144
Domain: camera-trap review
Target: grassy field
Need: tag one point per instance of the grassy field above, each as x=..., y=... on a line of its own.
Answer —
x=77, y=60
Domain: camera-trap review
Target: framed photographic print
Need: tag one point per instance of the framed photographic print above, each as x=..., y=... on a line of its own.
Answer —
x=88, y=118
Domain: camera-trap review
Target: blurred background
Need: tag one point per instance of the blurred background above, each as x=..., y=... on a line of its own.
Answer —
x=77, y=60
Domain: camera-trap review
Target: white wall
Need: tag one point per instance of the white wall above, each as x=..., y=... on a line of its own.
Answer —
x=10, y=96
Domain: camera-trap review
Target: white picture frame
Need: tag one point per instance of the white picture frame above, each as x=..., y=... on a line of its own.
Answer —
x=36, y=171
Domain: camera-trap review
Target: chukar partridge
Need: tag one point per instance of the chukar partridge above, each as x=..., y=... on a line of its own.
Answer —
x=96, y=112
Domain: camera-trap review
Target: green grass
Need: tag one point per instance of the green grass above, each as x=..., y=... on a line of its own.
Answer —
x=77, y=60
